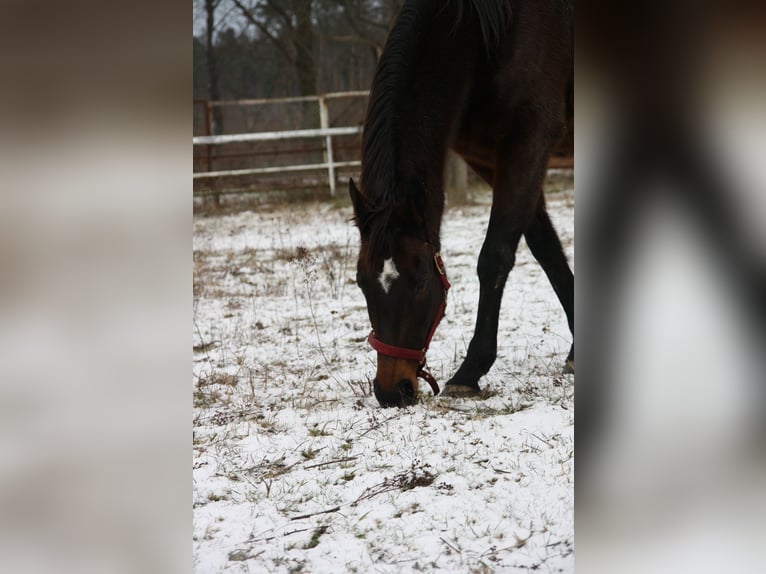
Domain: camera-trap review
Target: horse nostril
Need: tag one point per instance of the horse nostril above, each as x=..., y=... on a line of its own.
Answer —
x=406, y=389
x=401, y=395
x=384, y=398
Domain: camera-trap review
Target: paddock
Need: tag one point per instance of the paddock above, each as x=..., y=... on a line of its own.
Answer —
x=297, y=467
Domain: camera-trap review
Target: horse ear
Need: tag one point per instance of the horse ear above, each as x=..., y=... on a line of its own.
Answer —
x=358, y=202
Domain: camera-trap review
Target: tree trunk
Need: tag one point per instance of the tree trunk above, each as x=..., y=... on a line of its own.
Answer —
x=214, y=94
x=212, y=68
x=305, y=62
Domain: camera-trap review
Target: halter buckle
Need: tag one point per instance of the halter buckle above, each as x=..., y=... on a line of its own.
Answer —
x=439, y=263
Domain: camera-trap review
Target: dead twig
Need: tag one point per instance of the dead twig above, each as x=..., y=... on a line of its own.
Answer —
x=302, y=516
x=454, y=548
x=337, y=460
x=268, y=538
x=542, y=440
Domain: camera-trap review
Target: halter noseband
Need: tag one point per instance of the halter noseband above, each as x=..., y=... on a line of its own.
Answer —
x=414, y=354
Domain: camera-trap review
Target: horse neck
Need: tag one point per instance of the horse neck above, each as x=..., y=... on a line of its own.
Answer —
x=416, y=100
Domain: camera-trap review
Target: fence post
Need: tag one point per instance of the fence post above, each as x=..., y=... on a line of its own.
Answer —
x=324, y=123
x=208, y=132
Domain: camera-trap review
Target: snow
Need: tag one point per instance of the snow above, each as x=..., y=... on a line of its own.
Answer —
x=297, y=468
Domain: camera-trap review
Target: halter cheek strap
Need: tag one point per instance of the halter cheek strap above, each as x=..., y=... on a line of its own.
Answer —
x=415, y=354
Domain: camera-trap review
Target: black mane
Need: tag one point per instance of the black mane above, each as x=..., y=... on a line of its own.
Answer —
x=380, y=183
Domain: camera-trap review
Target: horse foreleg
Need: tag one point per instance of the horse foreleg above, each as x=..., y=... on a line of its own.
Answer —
x=496, y=259
x=516, y=193
x=544, y=244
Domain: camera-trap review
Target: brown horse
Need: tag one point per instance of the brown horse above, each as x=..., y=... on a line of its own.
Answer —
x=491, y=79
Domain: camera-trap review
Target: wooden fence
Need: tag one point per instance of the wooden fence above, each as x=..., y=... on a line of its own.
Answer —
x=282, y=159
x=268, y=159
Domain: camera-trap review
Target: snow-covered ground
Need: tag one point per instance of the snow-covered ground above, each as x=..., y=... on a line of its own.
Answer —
x=297, y=468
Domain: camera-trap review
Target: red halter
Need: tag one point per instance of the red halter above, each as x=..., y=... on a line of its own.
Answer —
x=414, y=354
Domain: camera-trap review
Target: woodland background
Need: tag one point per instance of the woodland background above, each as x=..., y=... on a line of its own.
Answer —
x=279, y=48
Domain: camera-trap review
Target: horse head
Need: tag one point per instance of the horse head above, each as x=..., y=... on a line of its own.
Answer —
x=402, y=278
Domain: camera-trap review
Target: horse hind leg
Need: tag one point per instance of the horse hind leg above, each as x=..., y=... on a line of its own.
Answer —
x=546, y=247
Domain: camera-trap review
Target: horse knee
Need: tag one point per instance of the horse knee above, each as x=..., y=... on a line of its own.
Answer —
x=495, y=263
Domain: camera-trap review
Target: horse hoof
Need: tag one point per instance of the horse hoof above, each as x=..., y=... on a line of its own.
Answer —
x=569, y=367
x=459, y=391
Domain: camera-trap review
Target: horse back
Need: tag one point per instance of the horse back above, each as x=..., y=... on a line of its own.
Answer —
x=529, y=78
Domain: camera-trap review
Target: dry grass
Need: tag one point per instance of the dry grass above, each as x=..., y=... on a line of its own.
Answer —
x=291, y=451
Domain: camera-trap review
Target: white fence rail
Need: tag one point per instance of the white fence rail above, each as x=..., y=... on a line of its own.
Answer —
x=325, y=132
x=281, y=135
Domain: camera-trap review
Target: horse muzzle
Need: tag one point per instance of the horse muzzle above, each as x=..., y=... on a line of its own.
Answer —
x=396, y=382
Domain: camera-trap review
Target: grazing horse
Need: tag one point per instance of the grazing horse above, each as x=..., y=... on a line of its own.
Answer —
x=493, y=80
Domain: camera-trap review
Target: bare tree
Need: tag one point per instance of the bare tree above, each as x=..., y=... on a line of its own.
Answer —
x=367, y=26
x=288, y=25
x=211, y=64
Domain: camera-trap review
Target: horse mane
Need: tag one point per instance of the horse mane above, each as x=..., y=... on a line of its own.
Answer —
x=379, y=183
x=494, y=17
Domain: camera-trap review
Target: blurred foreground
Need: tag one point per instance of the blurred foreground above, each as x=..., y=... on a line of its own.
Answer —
x=671, y=287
